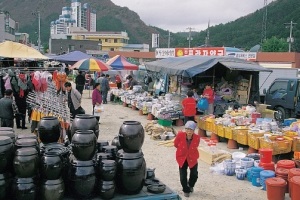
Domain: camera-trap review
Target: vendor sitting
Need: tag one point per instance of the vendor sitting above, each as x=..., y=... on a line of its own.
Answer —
x=131, y=82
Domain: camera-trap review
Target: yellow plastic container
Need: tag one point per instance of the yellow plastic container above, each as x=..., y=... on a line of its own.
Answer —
x=220, y=130
x=201, y=124
x=253, y=140
x=209, y=124
x=279, y=147
x=242, y=136
x=228, y=132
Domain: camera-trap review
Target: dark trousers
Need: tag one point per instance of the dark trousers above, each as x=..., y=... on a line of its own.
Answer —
x=185, y=183
x=20, y=118
x=104, y=96
x=97, y=117
x=80, y=88
x=189, y=118
x=7, y=122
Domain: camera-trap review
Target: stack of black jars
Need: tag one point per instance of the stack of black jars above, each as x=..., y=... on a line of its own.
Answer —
x=106, y=169
x=131, y=165
x=82, y=174
x=52, y=162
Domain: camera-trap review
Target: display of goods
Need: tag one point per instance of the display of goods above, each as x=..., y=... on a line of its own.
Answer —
x=51, y=165
x=111, y=150
x=84, y=122
x=228, y=132
x=279, y=146
x=49, y=129
x=247, y=162
x=242, y=136
x=211, y=126
x=52, y=189
x=131, y=171
x=295, y=187
x=296, y=144
x=220, y=130
x=286, y=164
x=26, y=162
x=6, y=153
x=106, y=189
x=229, y=167
x=9, y=133
x=107, y=170
x=82, y=178
x=253, y=139
x=266, y=155
x=24, y=188
x=255, y=172
x=201, y=124
x=131, y=136
x=84, y=144
x=101, y=144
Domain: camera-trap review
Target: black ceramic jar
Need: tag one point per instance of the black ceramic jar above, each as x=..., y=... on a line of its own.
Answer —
x=10, y=134
x=52, y=189
x=112, y=150
x=27, y=142
x=101, y=144
x=26, y=162
x=84, y=122
x=49, y=129
x=84, y=145
x=6, y=129
x=52, y=164
x=116, y=142
x=4, y=186
x=106, y=189
x=107, y=170
x=131, y=172
x=6, y=153
x=131, y=136
x=82, y=178
x=24, y=188
x=26, y=136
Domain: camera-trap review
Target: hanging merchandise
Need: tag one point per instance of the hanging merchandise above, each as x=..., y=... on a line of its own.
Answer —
x=22, y=83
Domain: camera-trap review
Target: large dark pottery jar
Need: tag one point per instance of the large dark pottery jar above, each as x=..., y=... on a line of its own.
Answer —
x=27, y=142
x=53, y=189
x=49, y=129
x=26, y=162
x=116, y=142
x=4, y=186
x=6, y=129
x=82, y=178
x=84, y=122
x=24, y=188
x=52, y=164
x=26, y=136
x=131, y=136
x=10, y=134
x=107, y=170
x=100, y=157
x=112, y=150
x=84, y=145
x=6, y=153
x=101, y=144
x=106, y=189
x=131, y=172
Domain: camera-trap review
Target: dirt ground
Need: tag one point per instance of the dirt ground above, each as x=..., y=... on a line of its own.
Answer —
x=209, y=186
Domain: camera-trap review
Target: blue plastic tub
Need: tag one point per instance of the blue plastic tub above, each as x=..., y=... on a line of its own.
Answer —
x=256, y=176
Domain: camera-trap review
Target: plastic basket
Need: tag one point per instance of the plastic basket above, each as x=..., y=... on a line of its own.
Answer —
x=220, y=130
x=228, y=132
x=164, y=122
x=242, y=136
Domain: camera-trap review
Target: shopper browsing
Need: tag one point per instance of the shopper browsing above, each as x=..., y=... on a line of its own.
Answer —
x=187, y=155
x=189, y=107
x=96, y=99
x=210, y=95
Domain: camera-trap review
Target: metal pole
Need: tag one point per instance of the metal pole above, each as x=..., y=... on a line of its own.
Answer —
x=39, y=40
x=169, y=39
x=290, y=42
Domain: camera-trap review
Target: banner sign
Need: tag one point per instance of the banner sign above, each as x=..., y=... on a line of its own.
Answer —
x=251, y=56
x=202, y=51
x=164, y=52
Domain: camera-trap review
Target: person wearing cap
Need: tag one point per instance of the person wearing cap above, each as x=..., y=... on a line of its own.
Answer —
x=189, y=107
x=8, y=109
x=209, y=93
x=187, y=155
x=132, y=82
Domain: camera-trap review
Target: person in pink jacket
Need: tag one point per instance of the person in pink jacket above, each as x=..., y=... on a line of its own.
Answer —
x=96, y=98
x=187, y=155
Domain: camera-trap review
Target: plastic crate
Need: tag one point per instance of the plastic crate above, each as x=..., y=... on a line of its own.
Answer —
x=220, y=130
x=165, y=122
x=279, y=147
x=242, y=136
x=209, y=125
x=228, y=132
x=253, y=140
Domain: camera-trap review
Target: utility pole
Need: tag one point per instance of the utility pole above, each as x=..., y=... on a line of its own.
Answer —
x=290, y=39
x=207, y=35
x=39, y=39
x=264, y=23
x=169, y=39
x=190, y=38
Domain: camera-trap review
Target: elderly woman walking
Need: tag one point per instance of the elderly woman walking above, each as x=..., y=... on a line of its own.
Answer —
x=96, y=99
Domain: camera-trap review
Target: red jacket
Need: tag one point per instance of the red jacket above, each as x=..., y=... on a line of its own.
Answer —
x=189, y=106
x=211, y=95
x=184, y=153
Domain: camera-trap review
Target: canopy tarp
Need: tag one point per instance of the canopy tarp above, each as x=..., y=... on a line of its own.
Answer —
x=121, y=63
x=72, y=57
x=9, y=49
x=190, y=66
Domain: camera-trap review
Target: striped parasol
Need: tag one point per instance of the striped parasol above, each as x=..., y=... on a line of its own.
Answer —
x=91, y=64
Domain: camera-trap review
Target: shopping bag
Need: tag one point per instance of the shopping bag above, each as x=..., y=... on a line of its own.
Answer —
x=202, y=104
x=98, y=109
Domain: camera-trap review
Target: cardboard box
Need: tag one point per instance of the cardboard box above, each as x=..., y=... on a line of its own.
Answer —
x=208, y=157
x=242, y=92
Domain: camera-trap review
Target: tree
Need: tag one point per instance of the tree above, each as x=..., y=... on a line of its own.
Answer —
x=275, y=44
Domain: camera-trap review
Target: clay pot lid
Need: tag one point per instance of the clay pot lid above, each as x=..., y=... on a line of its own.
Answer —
x=28, y=151
x=282, y=171
x=84, y=116
x=26, y=142
x=24, y=135
x=285, y=163
x=49, y=118
x=108, y=163
x=132, y=123
x=6, y=129
x=4, y=140
x=261, y=164
x=10, y=134
x=267, y=173
x=275, y=181
x=129, y=156
x=294, y=172
x=295, y=179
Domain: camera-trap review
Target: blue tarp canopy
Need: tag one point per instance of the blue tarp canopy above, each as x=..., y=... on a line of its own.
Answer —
x=71, y=58
x=190, y=66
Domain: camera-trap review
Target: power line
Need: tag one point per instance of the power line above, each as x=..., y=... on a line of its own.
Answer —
x=290, y=39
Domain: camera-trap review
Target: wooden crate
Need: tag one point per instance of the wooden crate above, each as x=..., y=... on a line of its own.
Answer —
x=228, y=132
x=242, y=136
x=279, y=147
x=220, y=130
x=253, y=139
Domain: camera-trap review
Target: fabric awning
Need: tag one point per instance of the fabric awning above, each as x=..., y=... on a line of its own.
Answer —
x=72, y=57
x=190, y=66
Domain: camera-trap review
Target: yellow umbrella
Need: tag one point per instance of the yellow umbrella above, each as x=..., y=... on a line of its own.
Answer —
x=9, y=49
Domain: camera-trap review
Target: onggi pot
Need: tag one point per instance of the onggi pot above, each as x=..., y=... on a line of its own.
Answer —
x=10, y=134
x=6, y=153
x=52, y=164
x=131, y=172
x=4, y=186
x=131, y=136
x=84, y=145
x=107, y=170
x=49, y=129
x=27, y=142
x=24, y=188
x=26, y=162
x=84, y=122
x=53, y=189
x=106, y=189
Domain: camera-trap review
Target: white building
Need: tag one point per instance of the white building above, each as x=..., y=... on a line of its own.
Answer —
x=77, y=15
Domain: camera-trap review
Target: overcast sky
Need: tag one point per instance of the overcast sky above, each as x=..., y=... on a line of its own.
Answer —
x=178, y=15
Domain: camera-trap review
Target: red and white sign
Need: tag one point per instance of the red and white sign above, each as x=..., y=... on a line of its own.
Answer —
x=203, y=51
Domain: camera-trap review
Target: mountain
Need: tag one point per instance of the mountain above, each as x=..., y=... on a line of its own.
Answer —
x=244, y=32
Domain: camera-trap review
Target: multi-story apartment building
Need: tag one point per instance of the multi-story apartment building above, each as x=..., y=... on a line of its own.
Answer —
x=7, y=27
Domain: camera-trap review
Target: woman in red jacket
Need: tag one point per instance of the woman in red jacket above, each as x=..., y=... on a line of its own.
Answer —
x=189, y=107
x=187, y=155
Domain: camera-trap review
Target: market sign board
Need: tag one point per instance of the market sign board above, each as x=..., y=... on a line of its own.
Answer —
x=251, y=56
x=202, y=51
x=164, y=52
